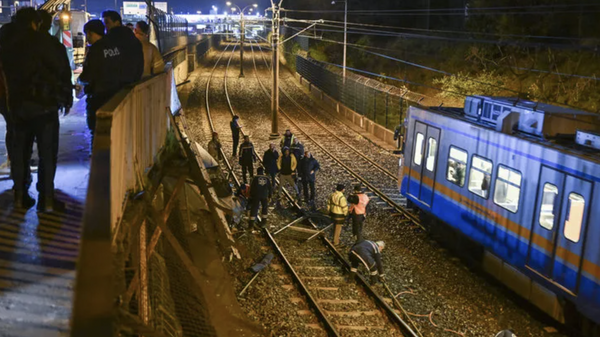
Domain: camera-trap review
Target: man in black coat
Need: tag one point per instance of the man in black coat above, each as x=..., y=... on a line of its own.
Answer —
x=235, y=132
x=270, y=162
x=260, y=193
x=368, y=254
x=307, y=171
x=38, y=78
x=247, y=158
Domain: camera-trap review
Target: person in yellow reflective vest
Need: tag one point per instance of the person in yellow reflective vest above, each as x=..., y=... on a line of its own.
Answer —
x=337, y=207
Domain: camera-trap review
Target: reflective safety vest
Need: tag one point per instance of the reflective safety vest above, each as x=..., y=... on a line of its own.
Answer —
x=337, y=203
x=361, y=207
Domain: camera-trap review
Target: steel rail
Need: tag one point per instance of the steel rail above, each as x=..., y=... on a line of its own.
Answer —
x=367, y=183
x=394, y=317
x=328, y=325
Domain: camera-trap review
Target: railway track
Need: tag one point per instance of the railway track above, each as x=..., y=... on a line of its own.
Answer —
x=361, y=167
x=341, y=306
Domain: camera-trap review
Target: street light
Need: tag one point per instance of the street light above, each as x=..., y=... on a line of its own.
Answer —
x=242, y=31
x=345, y=36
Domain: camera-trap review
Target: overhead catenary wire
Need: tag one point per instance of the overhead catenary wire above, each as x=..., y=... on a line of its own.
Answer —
x=587, y=77
x=445, y=73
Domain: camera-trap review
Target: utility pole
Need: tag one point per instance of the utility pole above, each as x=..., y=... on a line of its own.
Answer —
x=275, y=68
x=345, y=36
x=242, y=37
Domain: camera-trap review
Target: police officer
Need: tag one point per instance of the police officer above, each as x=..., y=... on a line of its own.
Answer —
x=127, y=46
x=337, y=207
x=368, y=254
x=358, y=211
x=287, y=168
x=260, y=193
x=307, y=172
x=247, y=158
x=38, y=80
x=235, y=132
x=287, y=140
x=214, y=147
x=270, y=162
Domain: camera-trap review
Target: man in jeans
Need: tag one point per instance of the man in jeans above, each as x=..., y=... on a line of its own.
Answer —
x=337, y=206
x=287, y=168
x=358, y=211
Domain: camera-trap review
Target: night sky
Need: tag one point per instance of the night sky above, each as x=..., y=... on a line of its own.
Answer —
x=191, y=6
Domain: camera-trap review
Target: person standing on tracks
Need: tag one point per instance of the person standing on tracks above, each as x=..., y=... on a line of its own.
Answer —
x=247, y=158
x=260, y=193
x=287, y=167
x=287, y=140
x=236, y=128
x=358, y=211
x=270, y=163
x=214, y=147
x=367, y=253
x=337, y=207
x=307, y=172
x=153, y=61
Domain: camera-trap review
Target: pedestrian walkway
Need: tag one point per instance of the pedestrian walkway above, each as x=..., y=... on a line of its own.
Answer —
x=38, y=252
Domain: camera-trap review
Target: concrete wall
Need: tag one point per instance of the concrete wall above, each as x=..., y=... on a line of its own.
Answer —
x=342, y=111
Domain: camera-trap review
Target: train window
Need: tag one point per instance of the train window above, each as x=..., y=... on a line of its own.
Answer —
x=457, y=166
x=574, y=218
x=480, y=176
x=487, y=107
x=508, y=189
x=548, y=203
x=496, y=112
x=418, y=155
x=431, y=152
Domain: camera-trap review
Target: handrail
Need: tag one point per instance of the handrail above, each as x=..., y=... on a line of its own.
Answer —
x=131, y=128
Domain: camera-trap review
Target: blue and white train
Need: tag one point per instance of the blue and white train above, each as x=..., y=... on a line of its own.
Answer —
x=521, y=181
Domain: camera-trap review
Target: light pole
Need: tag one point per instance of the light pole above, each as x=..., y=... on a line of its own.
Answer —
x=242, y=32
x=345, y=36
x=275, y=68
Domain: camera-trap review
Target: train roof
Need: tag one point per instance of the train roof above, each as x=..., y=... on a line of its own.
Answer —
x=536, y=106
x=563, y=143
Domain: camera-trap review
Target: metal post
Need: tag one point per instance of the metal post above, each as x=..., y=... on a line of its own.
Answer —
x=242, y=37
x=345, y=39
x=275, y=67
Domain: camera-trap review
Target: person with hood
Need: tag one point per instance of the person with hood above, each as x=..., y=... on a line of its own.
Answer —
x=153, y=61
x=358, y=211
x=236, y=129
x=247, y=158
x=287, y=168
x=214, y=147
x=287, y=140
x=39, y=84
x=337, y=207
x=368, y=254
x=307, y=172
x=270, y=163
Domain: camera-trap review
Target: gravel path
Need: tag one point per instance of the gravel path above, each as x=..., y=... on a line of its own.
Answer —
x=430, y=279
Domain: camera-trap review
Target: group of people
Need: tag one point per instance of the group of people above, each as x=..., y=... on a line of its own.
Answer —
x=37, y=85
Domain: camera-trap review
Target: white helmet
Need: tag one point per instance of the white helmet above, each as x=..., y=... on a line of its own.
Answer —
x=380, y=244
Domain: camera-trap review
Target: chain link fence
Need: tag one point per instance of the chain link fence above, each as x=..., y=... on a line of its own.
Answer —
x=384, y=104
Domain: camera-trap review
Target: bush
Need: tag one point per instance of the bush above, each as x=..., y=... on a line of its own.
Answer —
x=487, y=83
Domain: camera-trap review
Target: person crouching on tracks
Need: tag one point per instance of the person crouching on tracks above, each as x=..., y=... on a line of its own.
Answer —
x=270, y=163
x=247, y=158
x=214, y=147
x=337, y=206
x=287, y=167
x=307, y=171
x=368, y=254
x=358, y=211
x=260, y=193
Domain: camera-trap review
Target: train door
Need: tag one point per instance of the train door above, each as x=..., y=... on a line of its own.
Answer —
x=556, y=242
x=424, y=162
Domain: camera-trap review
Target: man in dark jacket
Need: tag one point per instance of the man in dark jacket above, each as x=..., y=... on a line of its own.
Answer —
x=367, y=253
x=127, y=45
x=247, y=158
x=297, y=149
x=260, y=193
x=307, y=171
x=235, y=132
x=287, y=166
x=270, y=162
x=39, y=84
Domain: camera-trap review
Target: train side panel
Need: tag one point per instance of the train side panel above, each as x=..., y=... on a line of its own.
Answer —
x=510, y=229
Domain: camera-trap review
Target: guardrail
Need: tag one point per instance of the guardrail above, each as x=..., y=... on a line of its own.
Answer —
x=131, y=129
